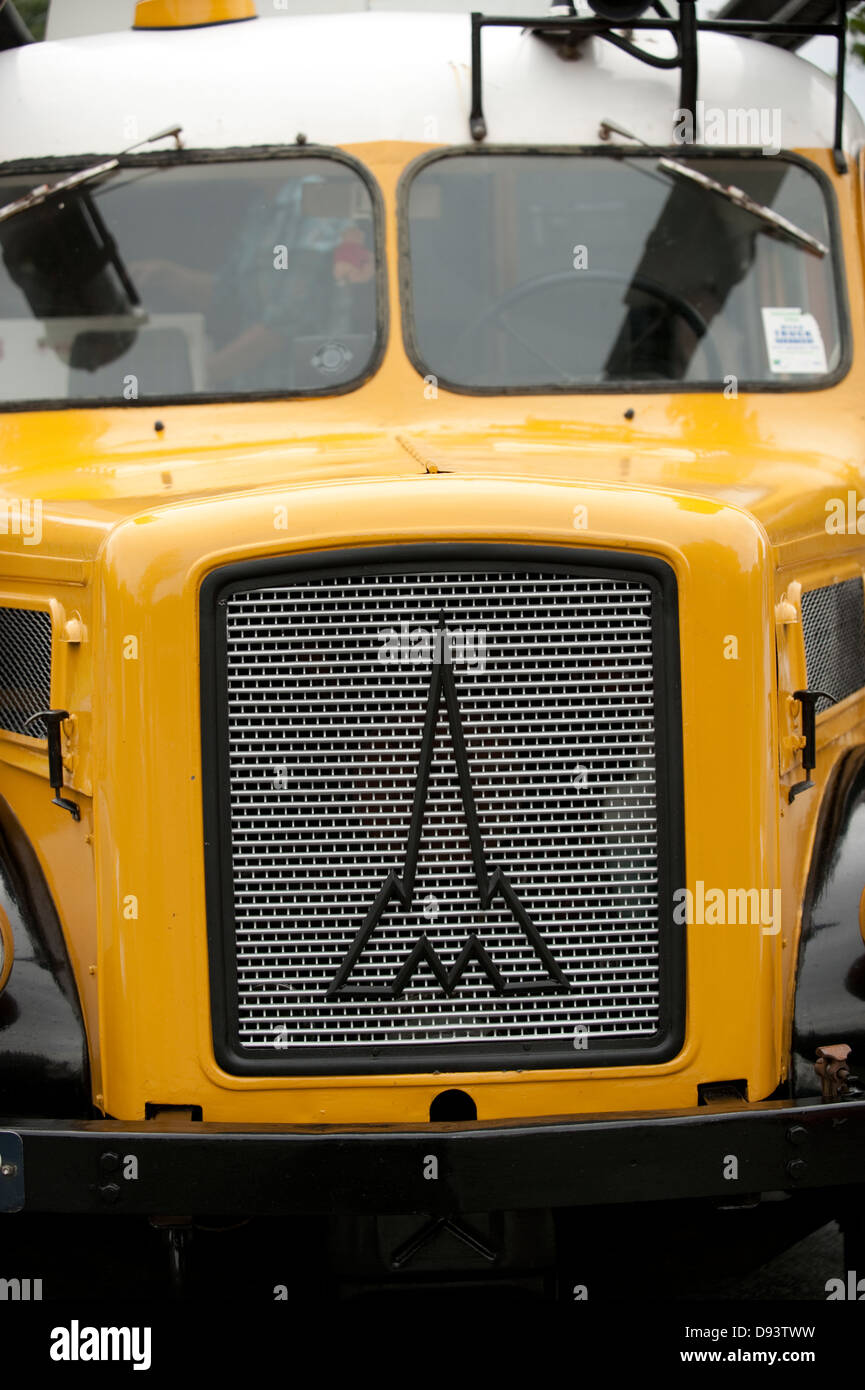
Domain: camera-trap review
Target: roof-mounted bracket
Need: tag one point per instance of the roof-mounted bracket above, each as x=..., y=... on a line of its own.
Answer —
x=566, y=31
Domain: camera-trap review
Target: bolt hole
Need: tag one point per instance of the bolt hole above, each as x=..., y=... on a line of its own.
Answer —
x=452, y=1105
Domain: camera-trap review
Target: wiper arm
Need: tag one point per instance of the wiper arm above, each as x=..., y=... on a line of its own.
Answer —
x=742, y=200
x=38, y=195
x=782, y=225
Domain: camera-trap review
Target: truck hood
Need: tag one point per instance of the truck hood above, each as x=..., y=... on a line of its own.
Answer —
x=94, y=488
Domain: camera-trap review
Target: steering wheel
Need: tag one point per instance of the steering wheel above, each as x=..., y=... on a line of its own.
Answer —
x=495, y=312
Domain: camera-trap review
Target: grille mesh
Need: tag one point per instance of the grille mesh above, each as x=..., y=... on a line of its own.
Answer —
x=25, y=669
x=557, y=711
x=833, y=621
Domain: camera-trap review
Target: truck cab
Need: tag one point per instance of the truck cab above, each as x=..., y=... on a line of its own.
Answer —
x=432, y=628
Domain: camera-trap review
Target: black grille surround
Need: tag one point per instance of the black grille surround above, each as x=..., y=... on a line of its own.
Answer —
x=25, y=669
x=253, y=924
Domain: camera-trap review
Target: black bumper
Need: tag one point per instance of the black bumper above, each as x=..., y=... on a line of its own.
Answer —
x=188, y=1168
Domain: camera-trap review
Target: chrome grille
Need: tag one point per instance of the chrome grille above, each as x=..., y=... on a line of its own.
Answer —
x=833, y=623
x=555, y=687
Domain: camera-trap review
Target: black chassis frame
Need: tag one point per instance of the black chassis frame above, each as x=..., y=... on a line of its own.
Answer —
x=371, y=1061
x=622, y=388
x=235, y=154
x=190, y=1168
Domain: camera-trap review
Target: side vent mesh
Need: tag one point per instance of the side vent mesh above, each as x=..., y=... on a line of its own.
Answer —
x=25, y=668
x=833, y=621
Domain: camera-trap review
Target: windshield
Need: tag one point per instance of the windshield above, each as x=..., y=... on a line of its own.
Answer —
x=188, y=280
x=533, y=271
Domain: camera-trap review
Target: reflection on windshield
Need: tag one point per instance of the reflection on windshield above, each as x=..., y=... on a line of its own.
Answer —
x=533, y=271
x=225, y=278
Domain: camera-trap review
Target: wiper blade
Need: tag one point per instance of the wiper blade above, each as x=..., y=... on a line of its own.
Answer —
x=38, y=195
x=742, y=200
x=774, y=221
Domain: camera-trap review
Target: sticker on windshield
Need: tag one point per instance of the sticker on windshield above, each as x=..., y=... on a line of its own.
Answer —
x=794, y=342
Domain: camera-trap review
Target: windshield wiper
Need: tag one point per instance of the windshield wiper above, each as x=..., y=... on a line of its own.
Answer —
x=49, y=190
x=782, y=225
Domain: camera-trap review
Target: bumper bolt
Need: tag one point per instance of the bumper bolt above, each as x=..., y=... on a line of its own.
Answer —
x=797, y=1134
x=797, y=1167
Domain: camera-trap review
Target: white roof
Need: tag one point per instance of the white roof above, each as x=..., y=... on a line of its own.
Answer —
x=350, y=78
x=68, y=18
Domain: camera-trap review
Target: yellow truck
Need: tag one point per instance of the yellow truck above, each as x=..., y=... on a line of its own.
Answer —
x=432, y=631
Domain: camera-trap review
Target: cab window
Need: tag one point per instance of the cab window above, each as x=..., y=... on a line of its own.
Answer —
x=533, y=272
x=180, y=281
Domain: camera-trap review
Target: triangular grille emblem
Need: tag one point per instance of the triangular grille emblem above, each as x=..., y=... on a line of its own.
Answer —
x=491, y=882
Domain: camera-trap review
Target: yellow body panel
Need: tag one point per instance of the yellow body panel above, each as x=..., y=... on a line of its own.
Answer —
x=731, y=493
